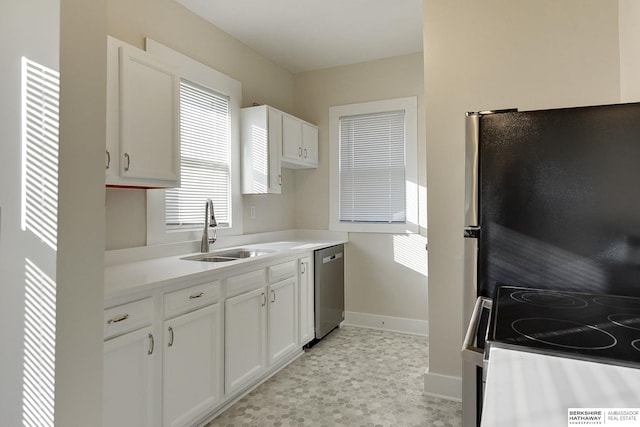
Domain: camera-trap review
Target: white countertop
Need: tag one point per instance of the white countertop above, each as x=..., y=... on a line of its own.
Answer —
x=530, y=390
x=124, y=278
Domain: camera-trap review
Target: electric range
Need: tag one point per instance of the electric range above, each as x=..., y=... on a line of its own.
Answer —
x=603, y=328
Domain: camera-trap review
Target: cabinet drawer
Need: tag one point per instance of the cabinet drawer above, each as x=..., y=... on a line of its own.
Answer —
x=127, y=317
x=188, y=299
x=283, y=271
x=241, y=283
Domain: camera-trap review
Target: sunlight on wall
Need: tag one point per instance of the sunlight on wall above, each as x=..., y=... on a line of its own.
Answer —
x=409, y=250
x=412, y=202
x=259, y=144
x=422, y=207
x=39, y=348
x=39, y=215
x=40, y=93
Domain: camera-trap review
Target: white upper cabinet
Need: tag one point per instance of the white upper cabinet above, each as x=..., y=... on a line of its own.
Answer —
x=299, y=143
x=272, y=140
x=291, y=138
x=261, y=135
x=310, y=144
x=143, y=145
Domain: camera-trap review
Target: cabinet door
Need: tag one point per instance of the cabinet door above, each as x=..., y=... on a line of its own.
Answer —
x=291, y=138
x=275, y=142
x=245, y=338
x=283, y=318
x=310, y=144
x=192, y=365
x=306, y=294
x=128, y=385
x=149, y=147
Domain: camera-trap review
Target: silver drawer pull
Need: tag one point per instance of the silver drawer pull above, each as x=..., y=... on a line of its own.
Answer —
x=170, y=336
x=152, y=344
x=117, y=319
x=194, y=296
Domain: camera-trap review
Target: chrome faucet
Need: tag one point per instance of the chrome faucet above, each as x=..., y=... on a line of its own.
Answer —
x=209, y=221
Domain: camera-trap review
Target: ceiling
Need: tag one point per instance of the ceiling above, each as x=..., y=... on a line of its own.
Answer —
x=304, y=35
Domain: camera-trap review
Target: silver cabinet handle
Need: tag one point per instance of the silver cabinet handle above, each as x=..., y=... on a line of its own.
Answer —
x=194, y=296
x=151, y=345
x=299, y=151
x=264, y=299
x=170, y=336
x=280, y=179
x=305, y=153
x=304, y=267
x=117, y=319
x=108, y=160
x=273, y=294
x=128, y=161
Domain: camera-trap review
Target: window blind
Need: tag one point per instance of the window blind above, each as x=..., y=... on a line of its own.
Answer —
x=372, y=168
x=205, y=150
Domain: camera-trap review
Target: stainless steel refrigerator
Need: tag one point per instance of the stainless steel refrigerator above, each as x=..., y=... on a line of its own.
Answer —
x=552, y=203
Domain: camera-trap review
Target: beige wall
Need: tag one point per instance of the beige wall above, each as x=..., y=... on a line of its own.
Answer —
x=81, y=238
x=385, y=274
x=629, y=17
x=263, y=82
x=493, y=54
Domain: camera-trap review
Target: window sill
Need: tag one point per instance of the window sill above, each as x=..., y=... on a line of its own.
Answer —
x=406, y=228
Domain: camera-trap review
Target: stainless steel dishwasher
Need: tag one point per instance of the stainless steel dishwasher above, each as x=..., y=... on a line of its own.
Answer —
x=329, y=289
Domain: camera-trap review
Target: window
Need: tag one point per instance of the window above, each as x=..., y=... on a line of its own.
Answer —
x=205, y=151
x=209, y=151
x=374, y=166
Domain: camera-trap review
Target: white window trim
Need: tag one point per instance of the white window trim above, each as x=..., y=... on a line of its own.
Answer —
x=206, y=76
x=410, y=106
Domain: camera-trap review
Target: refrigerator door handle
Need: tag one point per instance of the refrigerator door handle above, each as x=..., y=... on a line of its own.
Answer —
x=471, y=353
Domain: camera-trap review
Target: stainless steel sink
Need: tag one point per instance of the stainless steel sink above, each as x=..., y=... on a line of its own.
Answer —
x=229, y=255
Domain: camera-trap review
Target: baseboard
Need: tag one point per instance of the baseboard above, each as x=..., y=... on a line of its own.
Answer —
x=443, y=386
x=387, y=323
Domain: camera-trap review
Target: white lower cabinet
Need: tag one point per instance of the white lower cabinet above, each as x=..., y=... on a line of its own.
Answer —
x=245, y=338
x=306, y=297
x=283, y=316
x=175, y=357
x=192, y=376
x=129, y=380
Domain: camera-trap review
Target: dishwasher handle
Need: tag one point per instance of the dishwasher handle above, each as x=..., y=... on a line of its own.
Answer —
x=332, y=257
x=470, y=352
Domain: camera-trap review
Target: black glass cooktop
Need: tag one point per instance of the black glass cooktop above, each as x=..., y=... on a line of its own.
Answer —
x=587, y=326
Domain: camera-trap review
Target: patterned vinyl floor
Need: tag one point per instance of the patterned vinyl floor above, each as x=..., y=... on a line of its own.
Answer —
x=353, y=377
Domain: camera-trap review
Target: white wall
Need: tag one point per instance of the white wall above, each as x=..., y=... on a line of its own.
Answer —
x=492, y=54
x=263, y=82
x=629, y=19
x=385, y=273
x=28, y=28
x=65, y=272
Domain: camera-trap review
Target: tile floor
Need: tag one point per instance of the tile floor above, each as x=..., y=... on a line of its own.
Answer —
x=354, y=377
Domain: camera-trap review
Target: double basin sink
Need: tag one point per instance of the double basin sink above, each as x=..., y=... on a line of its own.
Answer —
x=228, y=255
